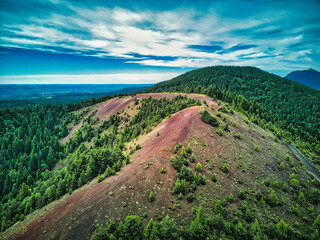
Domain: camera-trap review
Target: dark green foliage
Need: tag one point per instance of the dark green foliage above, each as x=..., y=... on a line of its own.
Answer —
x=168, y=229
x=242, y=194
x=190, y=197
x=218, y=208
x=151, y=231
x=314, y=196
x=238, y=135
x=281, y=166
x=180, y=186
x=224, y=168
x=295, y=183
x=185, y=173
x=130, y=229
x=178, y=162
x=209, y=118
x=101, y=234
x=214, y=177
x=189, y=149
x=200, y=179
x=272, y=199
x=226, y=128
x=183, y=152
x=193, y=158
x=301, y=200
x=219, y=132
x=198, y=228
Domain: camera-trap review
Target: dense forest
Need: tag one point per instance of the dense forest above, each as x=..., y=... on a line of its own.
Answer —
x=30, y=149
x=276, y=101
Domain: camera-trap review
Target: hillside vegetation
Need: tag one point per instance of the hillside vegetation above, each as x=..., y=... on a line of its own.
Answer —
x=168, y=169
x=267, y=99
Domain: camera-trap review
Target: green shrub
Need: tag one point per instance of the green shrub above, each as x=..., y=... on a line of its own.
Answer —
x=301, y=199
x=314, y=196
x=151, y=197
x=226, y=128
x=199, y=167
x=190, y=197
x=175, y=150
x=276, y=184
x=294, y=183
x=238, y=135
x=231, y=198
x=209, y=118
x=163, y=170
x=214, y=177
x=242, y=195
x=193, y=158
x=281, y=166
x=219, y=131
x=272, y=199
x=183, y=152
x=258, y=195
x=224, y=168
x=256, y=148
x=287, y=158
x=189, y=149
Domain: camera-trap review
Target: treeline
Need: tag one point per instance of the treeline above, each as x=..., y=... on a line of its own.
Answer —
x=28, y=186
x=218, y=226
x=289, y=109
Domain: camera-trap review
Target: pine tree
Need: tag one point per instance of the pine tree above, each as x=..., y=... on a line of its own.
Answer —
x=24, y=192
x=183, y=152
x=199, y=167
x=301, y=199
x=151, y=197
x=231, y=198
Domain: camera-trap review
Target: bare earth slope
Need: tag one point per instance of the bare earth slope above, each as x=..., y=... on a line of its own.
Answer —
x=127, y=192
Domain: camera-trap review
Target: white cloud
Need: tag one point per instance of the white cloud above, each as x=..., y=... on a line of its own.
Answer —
x=118, y=32
x=119, y=78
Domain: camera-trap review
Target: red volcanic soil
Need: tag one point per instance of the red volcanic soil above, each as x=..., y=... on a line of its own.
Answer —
x=110, y=107
x=72, y=216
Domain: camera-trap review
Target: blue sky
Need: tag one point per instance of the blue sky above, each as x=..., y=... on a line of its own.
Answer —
x=61, y=41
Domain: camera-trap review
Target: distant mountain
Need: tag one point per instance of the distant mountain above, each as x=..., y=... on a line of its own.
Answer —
x=310, y=78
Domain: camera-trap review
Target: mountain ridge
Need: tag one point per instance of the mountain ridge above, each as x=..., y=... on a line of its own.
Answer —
x=309, y=77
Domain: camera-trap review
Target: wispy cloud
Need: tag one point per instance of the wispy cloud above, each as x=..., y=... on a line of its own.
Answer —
x=219, y=32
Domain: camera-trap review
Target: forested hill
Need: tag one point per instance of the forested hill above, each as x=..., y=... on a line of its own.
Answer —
x=291, y=101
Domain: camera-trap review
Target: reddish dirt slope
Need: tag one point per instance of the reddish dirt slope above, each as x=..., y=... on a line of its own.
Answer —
x=110, y=107
x=72, y=216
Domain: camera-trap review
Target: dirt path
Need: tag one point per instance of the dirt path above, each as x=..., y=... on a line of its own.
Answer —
x=310, y=168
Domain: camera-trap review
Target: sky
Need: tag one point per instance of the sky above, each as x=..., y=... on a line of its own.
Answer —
x=92, y=41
